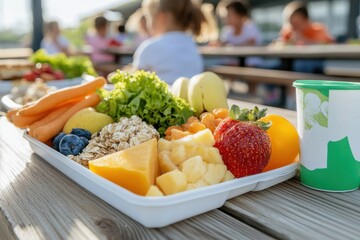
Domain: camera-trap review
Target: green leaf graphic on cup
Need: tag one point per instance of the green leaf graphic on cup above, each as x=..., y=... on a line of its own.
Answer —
x=315, y=109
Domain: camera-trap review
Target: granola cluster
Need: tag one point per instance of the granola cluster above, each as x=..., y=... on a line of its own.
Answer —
x=115, y=137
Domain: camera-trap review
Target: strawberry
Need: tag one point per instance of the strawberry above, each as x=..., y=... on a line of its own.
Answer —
x=243, y=142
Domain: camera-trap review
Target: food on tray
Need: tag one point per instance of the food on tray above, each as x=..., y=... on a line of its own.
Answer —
x=154, y=191
x=134, y=168
x=243, y=142
x=205, y=92
x=171, y=182
x=207, y=120
x=72, y=67
x=189, y=163
x=73, y=143
x=180, y=88
x=89, y=119
x=51, y=112
x=61, y=96
x=48, y=131
x=14, y=69
x=128, y=132
x=32, y=93
x=117, y=134
x=285, y=146
x=43, y=71
x=145, y=95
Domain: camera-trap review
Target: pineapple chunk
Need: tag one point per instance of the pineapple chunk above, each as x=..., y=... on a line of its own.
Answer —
x=228, y=176
x=192, y=151
x=186, y=141
x=178, y=154
x=164, y=145
x=215, y=173
x=165, y=163
x=190, y=186
x=201, y=183
x=154, y=191
x=213, y=156
x=193, y=169
x=204, y=137
x=172, y=182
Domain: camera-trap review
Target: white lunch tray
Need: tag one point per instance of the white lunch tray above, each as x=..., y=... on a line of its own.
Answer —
x=160, y=211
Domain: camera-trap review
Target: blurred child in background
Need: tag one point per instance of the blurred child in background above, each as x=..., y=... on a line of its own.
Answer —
x=239, y=30
x=53, y=42
x=136, y=25
x=299, y=29
x=171, y=52
x=100, y=41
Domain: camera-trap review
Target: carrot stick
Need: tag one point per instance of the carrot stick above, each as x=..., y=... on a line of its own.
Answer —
x=50, y=130
x=11, y=113
x=54, y=99
x=25, y=121
x=49, y=117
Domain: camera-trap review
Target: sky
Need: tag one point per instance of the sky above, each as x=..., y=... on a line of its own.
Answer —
x=16, y=14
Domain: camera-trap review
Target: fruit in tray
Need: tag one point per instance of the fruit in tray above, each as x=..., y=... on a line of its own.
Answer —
x=204, y=92
x=243, y=143
x=189, y=163
x=43, y=71
x=207, y=120
x=285, y=146
x=180, y=88
x=72, y=143
x=134, y=168
x=89, y=119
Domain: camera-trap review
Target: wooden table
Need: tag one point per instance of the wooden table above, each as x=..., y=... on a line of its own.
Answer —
x=339, y=51
x=285, y=53
x=39, y=202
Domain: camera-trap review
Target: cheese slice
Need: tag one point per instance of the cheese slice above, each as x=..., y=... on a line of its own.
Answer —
x=135, y=168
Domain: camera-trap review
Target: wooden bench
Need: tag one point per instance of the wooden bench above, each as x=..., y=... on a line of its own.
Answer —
x=284, y=79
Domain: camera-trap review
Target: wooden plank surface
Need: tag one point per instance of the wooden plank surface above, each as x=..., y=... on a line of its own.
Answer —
x=39, y=202
x=290, y=210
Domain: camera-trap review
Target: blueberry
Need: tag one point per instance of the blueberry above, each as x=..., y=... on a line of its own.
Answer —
x=85, y=140
x=71, y=145
x=81, y=133
x=57, y=140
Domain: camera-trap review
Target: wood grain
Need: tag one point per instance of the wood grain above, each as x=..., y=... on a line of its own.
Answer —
x=290, y=210
x=41, y=203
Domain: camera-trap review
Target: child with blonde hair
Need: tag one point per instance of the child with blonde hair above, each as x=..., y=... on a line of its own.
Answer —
x=171, y=52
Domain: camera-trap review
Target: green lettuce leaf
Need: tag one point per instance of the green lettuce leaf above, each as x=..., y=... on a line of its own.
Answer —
x=145, y=95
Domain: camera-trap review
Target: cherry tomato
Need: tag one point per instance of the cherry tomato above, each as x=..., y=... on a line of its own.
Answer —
x=284, y=138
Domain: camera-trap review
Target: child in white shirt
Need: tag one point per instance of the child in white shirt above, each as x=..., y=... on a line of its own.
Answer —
x=171, y=52
x=239, y=29
x=54, y=42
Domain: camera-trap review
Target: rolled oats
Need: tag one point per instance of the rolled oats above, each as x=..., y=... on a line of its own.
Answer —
x=114, y=137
